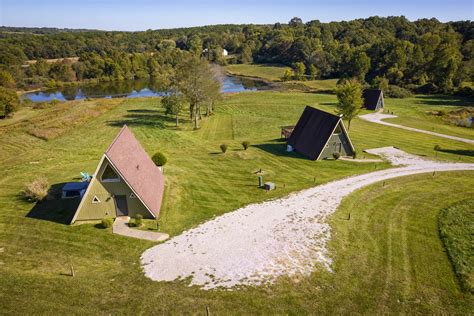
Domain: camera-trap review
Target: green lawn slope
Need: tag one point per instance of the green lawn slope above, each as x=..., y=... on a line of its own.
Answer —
x=37, y=248
x=456, y=228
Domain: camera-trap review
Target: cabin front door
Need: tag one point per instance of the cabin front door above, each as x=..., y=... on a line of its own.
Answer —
x=337, y=147
x=121, y=206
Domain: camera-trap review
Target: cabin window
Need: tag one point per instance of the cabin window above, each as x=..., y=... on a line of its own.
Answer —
x=338, y=130
x=109, y=175
x=132, y=196
x=95, y=200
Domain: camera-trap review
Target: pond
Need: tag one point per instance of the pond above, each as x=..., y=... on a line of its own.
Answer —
x=131, y=89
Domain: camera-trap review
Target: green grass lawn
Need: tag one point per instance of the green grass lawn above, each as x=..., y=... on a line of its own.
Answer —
x=262, y=71
x=457, y=232
x=274, y=73
x=202, y=183
x=413, y=112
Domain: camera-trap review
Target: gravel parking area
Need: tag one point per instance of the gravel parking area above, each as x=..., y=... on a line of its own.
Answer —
x=261, y=242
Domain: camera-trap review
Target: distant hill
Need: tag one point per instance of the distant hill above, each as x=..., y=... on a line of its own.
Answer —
x=40, y=30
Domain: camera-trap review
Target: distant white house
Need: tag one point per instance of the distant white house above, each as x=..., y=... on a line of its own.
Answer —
x=224, y=52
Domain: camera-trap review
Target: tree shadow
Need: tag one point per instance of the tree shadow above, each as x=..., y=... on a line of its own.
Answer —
x=279, y=150
x=446, y=100
x=462, y=152
x=53, y=208
x=143, y=111
x=139, y=117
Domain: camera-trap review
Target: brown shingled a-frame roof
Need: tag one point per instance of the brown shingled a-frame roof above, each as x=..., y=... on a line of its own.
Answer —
x=134, y=166
x=137, y=169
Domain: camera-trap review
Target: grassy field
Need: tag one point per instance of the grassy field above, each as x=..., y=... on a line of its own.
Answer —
x=413, y=112
x=265, y=72
x=37, y=248
x=274, y=73
x=457, y=232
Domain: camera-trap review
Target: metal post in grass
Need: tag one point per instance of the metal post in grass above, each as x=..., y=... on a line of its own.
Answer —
x=73, y=274
x=207, y=311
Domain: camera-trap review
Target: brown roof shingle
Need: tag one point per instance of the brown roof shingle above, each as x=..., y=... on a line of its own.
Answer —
x=137, y=169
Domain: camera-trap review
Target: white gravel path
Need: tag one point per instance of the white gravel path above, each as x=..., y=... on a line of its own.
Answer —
x=378, y=117
x=261, y=242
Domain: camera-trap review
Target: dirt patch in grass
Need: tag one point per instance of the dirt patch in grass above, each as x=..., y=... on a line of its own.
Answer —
x=456, y=228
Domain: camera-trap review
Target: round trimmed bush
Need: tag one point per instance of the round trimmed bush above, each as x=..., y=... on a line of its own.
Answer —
x=223, y=148
x=107, y=222
x=159, y=159
x=437, y=148
x=138, y=220
x=245, y=144
x=336, y=156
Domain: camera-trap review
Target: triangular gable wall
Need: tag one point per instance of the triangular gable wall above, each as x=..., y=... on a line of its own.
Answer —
x=344, y=132
x=88, y=195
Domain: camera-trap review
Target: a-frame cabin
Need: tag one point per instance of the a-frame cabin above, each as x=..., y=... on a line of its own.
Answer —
x=318, y=135
x=125, y=183
x=373, y=99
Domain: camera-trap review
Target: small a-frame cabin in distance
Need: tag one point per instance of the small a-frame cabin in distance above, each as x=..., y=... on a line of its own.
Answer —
x=373, y=99
x=318, y=135
x=125, y=183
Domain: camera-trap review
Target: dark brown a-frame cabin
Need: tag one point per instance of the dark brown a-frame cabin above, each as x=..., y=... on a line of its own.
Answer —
x=318, y=135
x=373, y=99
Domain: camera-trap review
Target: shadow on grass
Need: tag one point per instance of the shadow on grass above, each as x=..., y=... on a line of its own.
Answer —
x=53, y=208
x=462, y=152
x=446, y=100
x=279, y=150
x=139, y=117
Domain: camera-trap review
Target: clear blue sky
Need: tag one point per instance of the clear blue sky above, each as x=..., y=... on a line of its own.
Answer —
x=132, y=15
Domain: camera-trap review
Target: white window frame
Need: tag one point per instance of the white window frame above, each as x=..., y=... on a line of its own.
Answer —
x=133, y=196
x=95, y=200
x=111, y=179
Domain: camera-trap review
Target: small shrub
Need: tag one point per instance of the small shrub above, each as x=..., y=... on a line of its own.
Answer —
x=36, y=190
x=107, y=222
x=54, y=102
x=223, y=148
x=40, y=105
x=336, y=156
x=138, y=222
x=159, y=159
x=437, y=148
x=397, y=92
x=245, y=144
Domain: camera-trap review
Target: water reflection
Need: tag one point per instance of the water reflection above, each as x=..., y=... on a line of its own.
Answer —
x=132, y=89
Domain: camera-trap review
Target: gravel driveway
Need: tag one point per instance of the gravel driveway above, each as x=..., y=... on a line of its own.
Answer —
x=378, y=117
x=261, y=242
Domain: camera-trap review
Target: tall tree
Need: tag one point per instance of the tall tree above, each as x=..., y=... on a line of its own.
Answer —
x=196, y=81
x=6, y=79
x=349, y=96
x=173, y=103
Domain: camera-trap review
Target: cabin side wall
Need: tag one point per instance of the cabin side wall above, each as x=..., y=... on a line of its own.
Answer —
x=105, y=191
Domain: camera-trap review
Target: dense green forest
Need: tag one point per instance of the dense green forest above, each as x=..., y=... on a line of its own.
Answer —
x=425, y=53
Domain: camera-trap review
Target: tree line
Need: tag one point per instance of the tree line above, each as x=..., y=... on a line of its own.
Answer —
x=406, y=53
